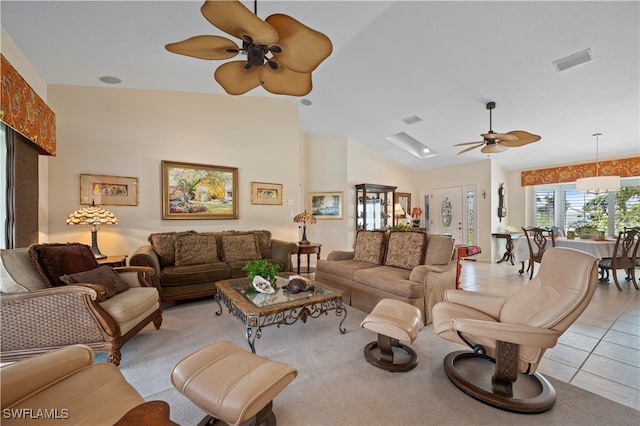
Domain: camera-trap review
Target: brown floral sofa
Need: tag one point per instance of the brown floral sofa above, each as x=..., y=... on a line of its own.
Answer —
x=413, y=267
x=188, y=264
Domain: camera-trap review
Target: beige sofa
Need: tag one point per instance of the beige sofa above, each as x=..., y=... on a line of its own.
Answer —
x=65, y=387
x=188, y=264
x=38, y=313
x=413, y=267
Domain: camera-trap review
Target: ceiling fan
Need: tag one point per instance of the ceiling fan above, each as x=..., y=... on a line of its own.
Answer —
x=280, y=52
x=497, y=142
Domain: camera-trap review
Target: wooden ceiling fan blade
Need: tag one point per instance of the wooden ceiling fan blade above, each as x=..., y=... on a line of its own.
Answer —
x=493, y=148
x=302, y=48
x=205, y=47
x=499, y=136
x=283, y=81
x=234, y=18
x=235, y=79
x=469, y=143
x=470, y=148
x=523, y=138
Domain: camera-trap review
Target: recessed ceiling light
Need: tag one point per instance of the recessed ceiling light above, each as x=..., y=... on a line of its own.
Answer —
x=110, y=79
x=306, y=102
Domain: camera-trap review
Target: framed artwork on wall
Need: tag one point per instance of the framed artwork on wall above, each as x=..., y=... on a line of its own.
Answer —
x=268, y=194
x=326, y=205
x=199, y=191
x=107, y=190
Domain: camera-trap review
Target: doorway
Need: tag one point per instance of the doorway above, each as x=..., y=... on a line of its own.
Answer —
x=445, y=209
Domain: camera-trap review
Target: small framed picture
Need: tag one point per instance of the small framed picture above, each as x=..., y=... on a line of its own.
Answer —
x=106, y=190
x=199, y=191
x=268, y=194
x=326, y=205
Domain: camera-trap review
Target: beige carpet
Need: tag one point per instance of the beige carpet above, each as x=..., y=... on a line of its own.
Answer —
x=335, y=385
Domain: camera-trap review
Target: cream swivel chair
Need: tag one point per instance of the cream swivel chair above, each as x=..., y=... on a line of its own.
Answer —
x=514, y=332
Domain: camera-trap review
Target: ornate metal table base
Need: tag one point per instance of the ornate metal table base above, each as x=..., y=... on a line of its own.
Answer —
x=255, y=322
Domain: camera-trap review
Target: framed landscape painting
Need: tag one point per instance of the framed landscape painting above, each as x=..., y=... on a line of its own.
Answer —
x=199, y=191
x=326, y=205
x=269, y=194
x=104, y=190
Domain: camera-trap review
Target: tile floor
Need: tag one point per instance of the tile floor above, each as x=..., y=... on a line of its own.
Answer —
x=600, y=352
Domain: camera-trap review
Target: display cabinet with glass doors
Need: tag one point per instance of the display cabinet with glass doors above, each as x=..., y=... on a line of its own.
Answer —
x=374, y=206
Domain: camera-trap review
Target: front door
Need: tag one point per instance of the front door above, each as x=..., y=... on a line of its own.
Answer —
x=446, y=209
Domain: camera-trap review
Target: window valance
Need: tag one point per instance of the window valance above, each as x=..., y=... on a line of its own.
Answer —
x=23, y=110
x=626, y=167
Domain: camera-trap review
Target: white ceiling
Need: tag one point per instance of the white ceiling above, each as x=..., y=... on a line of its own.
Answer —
x=391, y=59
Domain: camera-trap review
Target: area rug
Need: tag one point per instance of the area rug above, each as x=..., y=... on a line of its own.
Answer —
x=335, y=385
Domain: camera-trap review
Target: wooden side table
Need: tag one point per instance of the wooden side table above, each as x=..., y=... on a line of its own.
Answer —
x=508, y=254
x=308, y=249
x=114, y=261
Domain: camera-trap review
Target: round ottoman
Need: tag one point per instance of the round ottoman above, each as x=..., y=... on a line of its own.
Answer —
x=394, y=321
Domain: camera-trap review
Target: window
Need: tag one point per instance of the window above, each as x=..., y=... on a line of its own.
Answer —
x=563, y=206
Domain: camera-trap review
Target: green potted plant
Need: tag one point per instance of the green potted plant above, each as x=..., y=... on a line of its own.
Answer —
x=265, y=269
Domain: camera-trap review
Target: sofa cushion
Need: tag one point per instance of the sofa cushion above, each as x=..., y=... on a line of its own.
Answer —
x=196, y=250
x=389, y=279
x=342, y=268
x=239, y=247
x=17, y=274
x=51, y=261
x=405, y=249
x=103, y=276
x=370, y=246
x=164, y=244
x=439, y=250
x=130, y=307
x=195, y=274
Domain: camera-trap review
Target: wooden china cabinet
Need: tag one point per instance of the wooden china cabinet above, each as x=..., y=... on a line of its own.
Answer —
x=374, y=206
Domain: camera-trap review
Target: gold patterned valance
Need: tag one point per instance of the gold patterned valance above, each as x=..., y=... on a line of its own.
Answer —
x=626, y=167
x=22, y=109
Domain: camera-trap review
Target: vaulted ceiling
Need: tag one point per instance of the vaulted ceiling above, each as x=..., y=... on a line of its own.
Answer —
x=441, y=61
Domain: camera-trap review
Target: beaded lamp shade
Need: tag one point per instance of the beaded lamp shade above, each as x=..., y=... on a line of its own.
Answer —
x=304, y=218
x=93, y=215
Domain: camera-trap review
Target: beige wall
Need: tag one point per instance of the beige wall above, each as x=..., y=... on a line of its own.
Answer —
x=129, y=132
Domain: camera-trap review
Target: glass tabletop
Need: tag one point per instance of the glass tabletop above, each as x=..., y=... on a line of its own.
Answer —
x=261, y=300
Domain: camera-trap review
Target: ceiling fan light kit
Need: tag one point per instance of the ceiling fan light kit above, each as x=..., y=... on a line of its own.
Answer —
x=498, y=142
x=281, y=52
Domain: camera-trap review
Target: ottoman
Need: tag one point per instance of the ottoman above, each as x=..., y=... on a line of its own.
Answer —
x=393, y=320
x=231, y=384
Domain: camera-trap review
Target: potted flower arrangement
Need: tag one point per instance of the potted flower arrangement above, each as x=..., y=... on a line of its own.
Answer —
x=263, y=268
x=416, y=212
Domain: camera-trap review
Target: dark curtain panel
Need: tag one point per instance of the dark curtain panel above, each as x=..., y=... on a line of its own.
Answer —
x=21, y=228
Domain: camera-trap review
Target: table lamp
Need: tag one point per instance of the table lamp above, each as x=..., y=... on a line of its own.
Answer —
x=93, y=215
x=304, y=218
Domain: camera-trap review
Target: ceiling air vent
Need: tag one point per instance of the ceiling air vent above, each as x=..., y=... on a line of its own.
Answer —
x=573, y=60
x=413, y=119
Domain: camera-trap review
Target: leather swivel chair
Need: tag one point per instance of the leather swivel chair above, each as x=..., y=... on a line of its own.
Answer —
x=514, y=332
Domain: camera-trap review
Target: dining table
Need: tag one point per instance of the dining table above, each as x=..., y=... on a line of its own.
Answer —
x=599, y=248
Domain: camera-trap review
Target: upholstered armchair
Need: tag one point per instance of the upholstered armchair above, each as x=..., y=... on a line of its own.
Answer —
x=65, y=387
x=38, y=317
x=514, y=332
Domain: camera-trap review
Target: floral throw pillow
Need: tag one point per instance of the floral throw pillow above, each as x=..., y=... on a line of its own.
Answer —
x=369, y=247
x=405, y=249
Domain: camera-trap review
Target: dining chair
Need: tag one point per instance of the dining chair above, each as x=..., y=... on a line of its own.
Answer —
x=537, y=239
x=625, y=256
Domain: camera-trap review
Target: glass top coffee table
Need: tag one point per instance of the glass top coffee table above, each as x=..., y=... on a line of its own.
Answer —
x=258, y=310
